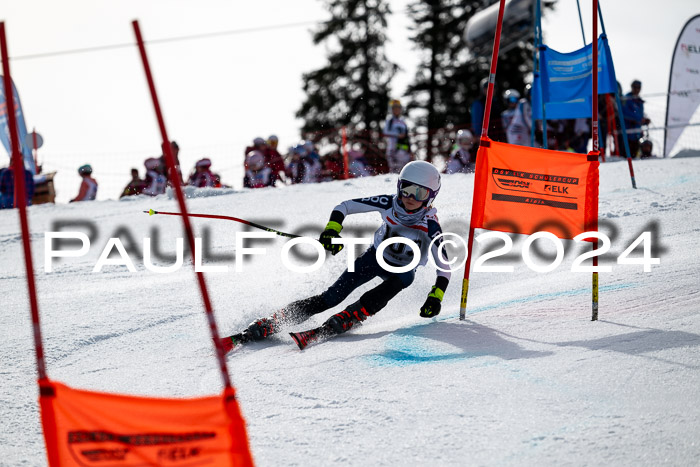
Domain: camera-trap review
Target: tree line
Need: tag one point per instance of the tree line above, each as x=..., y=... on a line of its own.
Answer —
x=354, y=88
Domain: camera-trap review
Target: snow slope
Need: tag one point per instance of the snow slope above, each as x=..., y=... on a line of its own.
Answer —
x=527, y=379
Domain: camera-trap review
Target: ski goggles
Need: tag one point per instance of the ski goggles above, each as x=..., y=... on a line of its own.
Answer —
x=417, y=192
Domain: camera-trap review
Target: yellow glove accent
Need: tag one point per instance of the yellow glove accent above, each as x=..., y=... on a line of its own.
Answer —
x=334, y=226
x=437, y=293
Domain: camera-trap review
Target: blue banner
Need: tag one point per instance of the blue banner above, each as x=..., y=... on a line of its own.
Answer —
x=21, y=127
x=565, y=81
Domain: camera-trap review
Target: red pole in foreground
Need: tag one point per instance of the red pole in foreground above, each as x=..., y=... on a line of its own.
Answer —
x=484, y=139
x=492, y=75
x=21, y=203
x=170, y=161
x=596, y=146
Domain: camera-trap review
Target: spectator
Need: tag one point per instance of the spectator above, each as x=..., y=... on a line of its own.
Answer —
x=202, y=176
x=164, y=166
x=633, y=113
x=88, y=188
x=314, y=160
x=462, y=159
x=155, y=182
x=511, y=96
x=7, y=187
x=299, y=168
x=258, y=174
x=646, y=147
x=376, y=161
x=582, y=134
x=274, y=160
x=259, y=144
x=135, y=186
x=478, y=108
x=333, y=168
x=357, y=165
x=398, y=145
x=518, y=130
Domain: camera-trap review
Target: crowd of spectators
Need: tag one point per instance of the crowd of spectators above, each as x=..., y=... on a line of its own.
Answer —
x=573, y=135
x=158, y=178
x=264, y=165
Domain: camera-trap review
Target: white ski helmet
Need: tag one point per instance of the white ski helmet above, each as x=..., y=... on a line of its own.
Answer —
x=465, y=138
x=511, y=95
x=255, y=160
x=422, y=174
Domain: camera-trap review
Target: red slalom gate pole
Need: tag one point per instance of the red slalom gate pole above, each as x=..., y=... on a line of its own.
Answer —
x=484, y=140
x=596, y=146
x=21, y=203
x=492, y=74
x=170, y=161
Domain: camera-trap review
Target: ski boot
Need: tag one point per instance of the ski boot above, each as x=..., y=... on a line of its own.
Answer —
x=336, y=324
x=346, y=319
x=264, y=327
x=230, y=342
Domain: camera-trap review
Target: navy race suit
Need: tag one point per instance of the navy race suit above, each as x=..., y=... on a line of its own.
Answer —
x=422, y=231
x=422, y=228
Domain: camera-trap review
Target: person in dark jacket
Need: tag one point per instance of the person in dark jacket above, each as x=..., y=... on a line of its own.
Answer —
x=478, y=108
x=633, y=113
x=7, y=187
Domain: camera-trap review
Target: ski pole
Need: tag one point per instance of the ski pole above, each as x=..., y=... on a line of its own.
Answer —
x=151, y=212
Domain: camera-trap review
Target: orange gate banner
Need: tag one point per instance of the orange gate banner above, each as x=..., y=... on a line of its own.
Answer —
x=526, y=190
x=85, y=428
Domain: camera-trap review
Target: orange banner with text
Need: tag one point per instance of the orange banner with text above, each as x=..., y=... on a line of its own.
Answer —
x=526, y=190
x=85, y=428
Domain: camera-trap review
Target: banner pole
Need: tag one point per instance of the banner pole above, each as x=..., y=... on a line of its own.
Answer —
x=580, y=20
x=21, y=203
x=596, y=146
x=625, y=142
x=170, y=161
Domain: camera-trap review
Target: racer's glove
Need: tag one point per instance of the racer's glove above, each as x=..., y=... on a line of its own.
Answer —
x=332, y=231
x=432, y=304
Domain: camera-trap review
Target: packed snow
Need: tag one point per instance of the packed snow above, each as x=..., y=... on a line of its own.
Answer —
x=526, y=379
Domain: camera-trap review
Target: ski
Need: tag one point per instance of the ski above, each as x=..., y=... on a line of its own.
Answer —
x=258, y=330
x=304, y=338
x=231, y=342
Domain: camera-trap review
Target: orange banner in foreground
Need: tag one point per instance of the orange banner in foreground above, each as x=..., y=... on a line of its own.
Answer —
x=526, y=190
x=84, y=428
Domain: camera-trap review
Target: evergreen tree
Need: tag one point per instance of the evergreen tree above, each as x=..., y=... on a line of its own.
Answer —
x=436, y=90
x=353, y=88
x=447, y=79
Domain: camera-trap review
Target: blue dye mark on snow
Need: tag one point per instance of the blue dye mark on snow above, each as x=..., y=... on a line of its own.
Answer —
x=410, y=346
x=546, y=296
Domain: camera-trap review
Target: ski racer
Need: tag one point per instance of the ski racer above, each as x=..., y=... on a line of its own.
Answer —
x=409, y=214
